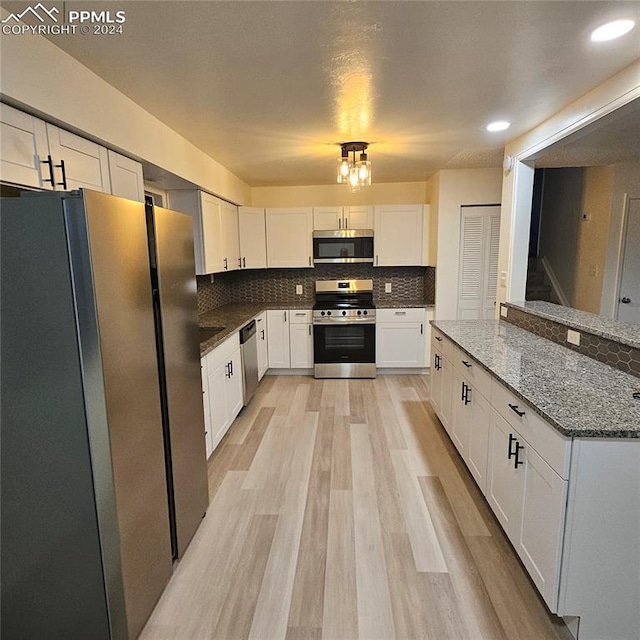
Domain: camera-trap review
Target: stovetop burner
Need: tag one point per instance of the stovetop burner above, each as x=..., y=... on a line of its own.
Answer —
x=344, y=300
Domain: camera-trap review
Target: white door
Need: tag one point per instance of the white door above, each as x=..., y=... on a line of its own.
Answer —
x=358, y=217
x=629, y=298
x=86, y=163
x=208, y=436
x=301, y=343
x=460, y=413
x=478, y=273
x=23, y=147
x=400, y=344
x=289, y=242
x=447, y=393
x=540, y=538
x=126, y=177
x=234, y=392
x=435, y=380
x=230, y=243
x=478, y=452
x=212, y=238
x=253, y=239
x=263, y=356
x=398, y=235
x=328, y=218
x=278, y=339
x=216, y=390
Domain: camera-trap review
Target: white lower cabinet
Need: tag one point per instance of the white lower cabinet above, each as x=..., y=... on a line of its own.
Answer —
x=263, y=353
x=519, y=462
x=278, y=339
x=208, y=439
x=400, y=338
x=300, y=339
x=223, y=368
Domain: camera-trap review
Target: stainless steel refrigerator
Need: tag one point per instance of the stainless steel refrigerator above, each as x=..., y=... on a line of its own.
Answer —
x=103, y=468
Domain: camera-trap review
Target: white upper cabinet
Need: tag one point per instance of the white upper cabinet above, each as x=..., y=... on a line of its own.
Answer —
x=215, y=229
x=353, y=217
x=398, y=235
x=253, y=238
x=83, y=163
x=126, y=177
x=23, y=143
x=38, y=154
x=289, y=242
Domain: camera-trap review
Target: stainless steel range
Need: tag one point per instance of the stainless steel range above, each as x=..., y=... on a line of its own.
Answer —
x=344, y=329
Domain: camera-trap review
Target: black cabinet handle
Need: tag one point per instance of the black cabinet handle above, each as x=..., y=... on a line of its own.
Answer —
x=239, y=263
x=421, y=328
x=514, y=407
x=244, y=263
x=262, y=333
x=511, y=452
x=230, y=368
x=518, y=462
x=225, y=262
x=63, y=184
x=437, y=363
x=466, y=363
x=466, y=398
x=50, y=179
x=438, y=338
x=463, y=392
x=228, y=373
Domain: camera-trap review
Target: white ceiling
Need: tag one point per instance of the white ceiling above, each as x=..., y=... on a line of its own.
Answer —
x=270, y=88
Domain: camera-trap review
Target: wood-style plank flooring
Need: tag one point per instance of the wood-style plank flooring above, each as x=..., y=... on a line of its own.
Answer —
x=340, y=509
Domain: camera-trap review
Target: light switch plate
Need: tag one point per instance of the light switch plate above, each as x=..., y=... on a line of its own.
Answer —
x=573, y=337
x=503, y=311
x=299, y=289
x=387, y=287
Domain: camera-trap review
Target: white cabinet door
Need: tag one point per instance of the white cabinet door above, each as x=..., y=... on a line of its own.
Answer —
x=301, y=345
x=208, y=435
x=253, y=238
x=328, y=218
x=398, y=235
x=478, y=451
x=230, y=240
x=86, y=164
x=126, y=177
x=540, y=537
x=447, y=394
x=212, y=236
x=358, y=217
x=234, y=393
x=505, y=483
x=278, y=339
x=460, y=413
x=23, y=147
x=217, y=375
x=435, y=375
x=400, y=344
x=289, y=242
x=263, y=355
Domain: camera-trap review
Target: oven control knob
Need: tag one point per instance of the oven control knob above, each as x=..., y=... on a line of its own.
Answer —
x=344, y=313
x=365, y=312
x=322, y=313
x=359, y=313
x=328, y=313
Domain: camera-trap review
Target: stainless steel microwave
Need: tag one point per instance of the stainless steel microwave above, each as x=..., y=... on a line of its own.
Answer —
x=343, y=245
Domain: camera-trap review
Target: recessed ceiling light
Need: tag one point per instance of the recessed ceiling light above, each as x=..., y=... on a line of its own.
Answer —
x=500, y=125
x=612, y=30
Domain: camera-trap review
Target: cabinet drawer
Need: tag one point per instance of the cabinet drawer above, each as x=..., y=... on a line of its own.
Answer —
x=400, y=315
x=471, y=371
x=552, y=446
x=223, y=352
x=440, y=342
x=300, y=316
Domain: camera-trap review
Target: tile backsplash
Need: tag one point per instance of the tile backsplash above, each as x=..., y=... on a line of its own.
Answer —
x=413, y=285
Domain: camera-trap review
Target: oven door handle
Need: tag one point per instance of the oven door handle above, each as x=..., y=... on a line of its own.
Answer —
x=344, y=322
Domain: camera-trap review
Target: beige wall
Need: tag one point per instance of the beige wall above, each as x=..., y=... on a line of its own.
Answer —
x=454, y=188
x=42, y=78
x=339, y=195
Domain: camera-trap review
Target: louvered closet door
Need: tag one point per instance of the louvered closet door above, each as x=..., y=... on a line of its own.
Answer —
x=478, y=274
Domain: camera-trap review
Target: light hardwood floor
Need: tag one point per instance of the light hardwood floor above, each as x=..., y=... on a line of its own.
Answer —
x=340, y=509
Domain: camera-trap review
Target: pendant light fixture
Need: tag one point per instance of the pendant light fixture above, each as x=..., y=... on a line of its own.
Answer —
x=354, y=168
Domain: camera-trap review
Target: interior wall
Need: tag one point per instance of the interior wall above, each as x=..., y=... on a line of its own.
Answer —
x=454, y=188
x=340, y=195
x=626, y=185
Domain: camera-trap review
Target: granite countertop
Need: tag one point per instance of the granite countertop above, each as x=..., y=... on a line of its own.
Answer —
x=403, y=304
x=582, y=321
x=578, y=395
x=233, y=317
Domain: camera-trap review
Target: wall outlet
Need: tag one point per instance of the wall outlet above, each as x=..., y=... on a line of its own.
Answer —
x=387, y=287
x=573, y=337
x=586, y=216
x=503, y=278
x=503, y=311
x=299, y=289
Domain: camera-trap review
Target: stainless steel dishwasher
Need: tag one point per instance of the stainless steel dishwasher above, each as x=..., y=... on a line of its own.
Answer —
x=249, y=352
